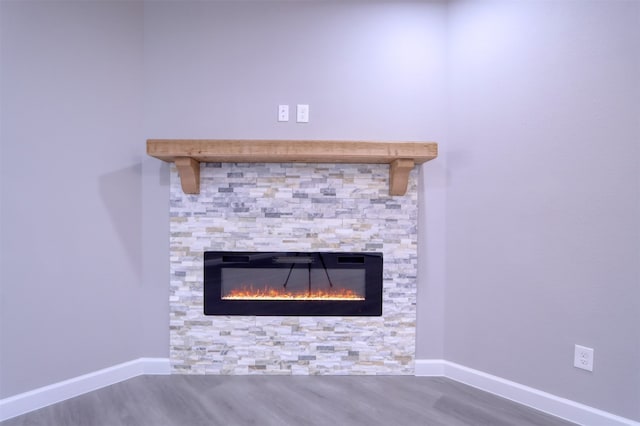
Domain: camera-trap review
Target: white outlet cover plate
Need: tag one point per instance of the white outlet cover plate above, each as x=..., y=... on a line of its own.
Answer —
x=283, y=112
x=583, y=358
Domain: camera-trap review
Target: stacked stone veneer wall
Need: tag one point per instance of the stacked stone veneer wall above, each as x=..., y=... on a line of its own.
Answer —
x=293, y=207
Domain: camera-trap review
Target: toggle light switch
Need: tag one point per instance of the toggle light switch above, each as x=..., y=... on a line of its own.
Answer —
x=303, y=113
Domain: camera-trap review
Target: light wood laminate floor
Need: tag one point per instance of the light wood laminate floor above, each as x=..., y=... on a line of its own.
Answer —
x=286, y=400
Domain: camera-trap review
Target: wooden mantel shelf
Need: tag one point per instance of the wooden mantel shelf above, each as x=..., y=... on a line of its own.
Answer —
x=189, y=153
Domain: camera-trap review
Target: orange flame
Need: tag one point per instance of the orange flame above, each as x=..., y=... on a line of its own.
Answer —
x=270, y=293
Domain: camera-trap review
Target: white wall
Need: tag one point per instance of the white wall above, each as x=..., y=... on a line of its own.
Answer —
x=543, y=207
x=71, y=207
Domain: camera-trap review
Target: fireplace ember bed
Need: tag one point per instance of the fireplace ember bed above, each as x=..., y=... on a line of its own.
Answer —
x=292, y=283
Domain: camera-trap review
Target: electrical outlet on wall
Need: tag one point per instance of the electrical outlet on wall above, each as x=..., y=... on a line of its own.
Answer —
x=583, y=358
x=283, y=112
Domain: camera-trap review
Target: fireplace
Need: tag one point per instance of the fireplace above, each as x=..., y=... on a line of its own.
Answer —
x=292, y=283
x=295, y=207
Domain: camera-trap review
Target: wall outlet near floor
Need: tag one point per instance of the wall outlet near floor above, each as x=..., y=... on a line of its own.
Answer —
x=583, y=358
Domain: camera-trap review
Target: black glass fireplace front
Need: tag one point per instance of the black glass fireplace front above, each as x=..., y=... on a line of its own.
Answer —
x=292, y=283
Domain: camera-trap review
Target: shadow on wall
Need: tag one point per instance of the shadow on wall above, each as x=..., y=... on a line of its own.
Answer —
x=165, y=174
x=121, y=192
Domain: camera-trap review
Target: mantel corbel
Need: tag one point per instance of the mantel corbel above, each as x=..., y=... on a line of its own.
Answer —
x=187, y=154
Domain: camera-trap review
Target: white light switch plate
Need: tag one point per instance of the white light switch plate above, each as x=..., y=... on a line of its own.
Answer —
x=303, y=113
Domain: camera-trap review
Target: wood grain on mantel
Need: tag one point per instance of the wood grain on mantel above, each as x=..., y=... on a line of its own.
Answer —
x=188, y=153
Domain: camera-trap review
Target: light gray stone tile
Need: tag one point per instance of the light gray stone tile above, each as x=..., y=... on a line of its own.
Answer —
x=292, y=207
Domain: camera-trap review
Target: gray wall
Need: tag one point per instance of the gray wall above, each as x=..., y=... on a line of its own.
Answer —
x=529, y=227
x=221, y=68
x=78, y=71
x=543, y=200
x=369, y=70
x=71, y=190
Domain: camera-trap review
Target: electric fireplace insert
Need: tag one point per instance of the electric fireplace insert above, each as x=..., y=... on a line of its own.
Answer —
x=292, y=283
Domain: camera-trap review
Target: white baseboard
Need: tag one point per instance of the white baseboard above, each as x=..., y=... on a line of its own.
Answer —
x=525, y=395
x=543, y=401
x=47, y=395
x=155, y=366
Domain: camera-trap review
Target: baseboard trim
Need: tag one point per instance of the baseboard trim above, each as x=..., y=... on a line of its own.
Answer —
x=38, y=398
x=560, y=407
x=525, y=395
